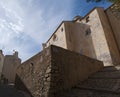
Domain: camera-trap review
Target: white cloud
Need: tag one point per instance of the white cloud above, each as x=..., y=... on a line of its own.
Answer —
x=26, y=24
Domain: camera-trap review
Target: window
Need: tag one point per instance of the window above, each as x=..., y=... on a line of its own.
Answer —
x=31, y=67
x=88, y=32
x=31, y=64
x=55, y=37
x=87, y=19
x=61, y=29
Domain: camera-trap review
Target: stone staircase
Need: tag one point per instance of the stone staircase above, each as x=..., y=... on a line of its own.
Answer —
x=10, y=91
x=105, y=83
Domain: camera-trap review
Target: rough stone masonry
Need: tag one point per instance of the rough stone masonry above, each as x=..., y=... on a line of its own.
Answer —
x=54, y=70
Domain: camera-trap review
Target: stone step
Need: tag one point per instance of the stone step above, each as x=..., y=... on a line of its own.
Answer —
x=102, y=84
x=110, y=68
x=10, y=91
x=85, y=92
x=105, y=83
x=106, y=75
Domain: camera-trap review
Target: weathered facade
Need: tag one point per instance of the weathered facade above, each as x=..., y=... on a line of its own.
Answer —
x=68, y=36
x=91, y=35
x=53, y=70
x=10, y=64
x=88, y=42
x=102, y=36
x=114, y=20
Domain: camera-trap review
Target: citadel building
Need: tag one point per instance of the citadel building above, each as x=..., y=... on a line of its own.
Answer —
x=8, y=66
x=92, y=35
x=71, y=58
x=80, y=59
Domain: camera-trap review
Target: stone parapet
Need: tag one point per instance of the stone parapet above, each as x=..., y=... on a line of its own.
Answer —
x=54, y=70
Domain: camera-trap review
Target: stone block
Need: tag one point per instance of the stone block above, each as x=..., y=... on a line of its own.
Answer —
x=59, y=70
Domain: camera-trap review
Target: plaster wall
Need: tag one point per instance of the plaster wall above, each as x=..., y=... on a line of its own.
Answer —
x=115, y=24
x=114, y=51
x=98, y=37
x=78, y=40
x=58, y=38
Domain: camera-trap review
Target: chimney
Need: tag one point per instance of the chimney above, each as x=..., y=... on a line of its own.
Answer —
x=44, y=45
x=77, y=18
x=15, y=53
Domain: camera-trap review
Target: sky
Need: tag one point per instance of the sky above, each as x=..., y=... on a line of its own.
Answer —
x=26, y=24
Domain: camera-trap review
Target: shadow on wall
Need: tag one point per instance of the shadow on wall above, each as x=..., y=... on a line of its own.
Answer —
x=68, y=69
x=104, y=83
x=21, y=86
x=3, y=80
x=54, y=70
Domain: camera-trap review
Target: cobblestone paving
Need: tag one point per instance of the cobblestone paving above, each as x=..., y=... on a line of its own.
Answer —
x=10, y=91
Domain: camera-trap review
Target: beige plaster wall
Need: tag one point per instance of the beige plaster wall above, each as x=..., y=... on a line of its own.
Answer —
x=115, y=24
x=114, y=52
x=98, y=37
x=74, y=38
x=78, y=40
x=59, y=38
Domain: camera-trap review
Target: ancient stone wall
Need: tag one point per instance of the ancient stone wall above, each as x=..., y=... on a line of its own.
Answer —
x=113, y=14
x=114, y=52
x=73, y=67
x=10, y=64
x=53, y=70
x=33, y=73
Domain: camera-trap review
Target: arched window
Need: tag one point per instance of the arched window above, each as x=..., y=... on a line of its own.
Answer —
x=55, y=38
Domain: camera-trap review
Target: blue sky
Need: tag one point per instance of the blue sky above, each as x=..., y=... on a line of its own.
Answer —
x=26, y=24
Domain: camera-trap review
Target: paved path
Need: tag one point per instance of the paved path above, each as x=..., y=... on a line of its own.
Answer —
x=10, y=91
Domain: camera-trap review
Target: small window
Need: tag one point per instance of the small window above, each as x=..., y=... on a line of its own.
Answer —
x=87, y=19
x=88, y=32
x=55, y=37
x=31, y=64
x=61, y=29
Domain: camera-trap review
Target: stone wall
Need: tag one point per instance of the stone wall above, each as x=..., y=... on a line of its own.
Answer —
x=1, y=62
x=10, y=64
x=114, y=19
x=54, y=70
x=34, y=75
x=114, y=52
x=115, y=8
x=73, y=67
